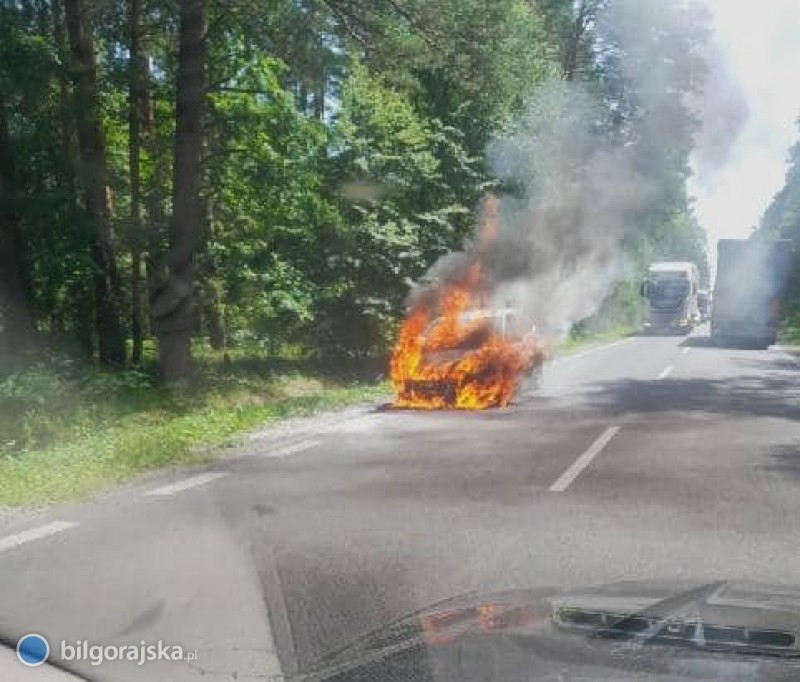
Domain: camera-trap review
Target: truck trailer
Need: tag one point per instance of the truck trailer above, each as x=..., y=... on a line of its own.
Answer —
x=749, y=291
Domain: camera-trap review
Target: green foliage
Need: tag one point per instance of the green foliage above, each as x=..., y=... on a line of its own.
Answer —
x=397, y=211
x=649, y=60
x=345, y=149
x=264, y=193
x=67, y=430
x=670, y=234
x=781, y=220
x=621, y=312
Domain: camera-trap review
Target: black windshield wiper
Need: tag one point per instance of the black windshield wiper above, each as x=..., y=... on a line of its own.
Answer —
x=678, y=620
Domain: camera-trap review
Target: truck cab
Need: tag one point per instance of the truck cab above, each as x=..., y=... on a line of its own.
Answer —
x=670, y=291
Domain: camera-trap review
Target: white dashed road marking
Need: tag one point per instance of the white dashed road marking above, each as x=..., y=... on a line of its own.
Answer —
x=665, y=373
x=292, y=449
x=584, y=460
x=185, y=484
x=686, y=350
x=11, y=541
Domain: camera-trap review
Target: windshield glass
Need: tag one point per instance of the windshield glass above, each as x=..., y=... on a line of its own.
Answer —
x=460, y=336
x=669, y=288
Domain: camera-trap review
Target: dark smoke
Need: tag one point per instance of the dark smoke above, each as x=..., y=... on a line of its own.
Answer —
x=557, y=242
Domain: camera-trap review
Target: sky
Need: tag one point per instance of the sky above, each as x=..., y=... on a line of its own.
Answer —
x=761, y=41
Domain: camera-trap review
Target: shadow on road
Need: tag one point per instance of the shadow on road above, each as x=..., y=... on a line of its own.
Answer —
x=697, y=342
x=785, y=460
x=664, y=336
x=756, y=395
x=771, y=363
x=705, y=341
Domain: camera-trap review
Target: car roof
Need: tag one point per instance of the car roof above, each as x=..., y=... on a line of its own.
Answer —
x=480, y=314
x=488, y=312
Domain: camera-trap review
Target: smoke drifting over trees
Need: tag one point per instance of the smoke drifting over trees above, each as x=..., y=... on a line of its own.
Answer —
x=344, y=147
x=594, y=168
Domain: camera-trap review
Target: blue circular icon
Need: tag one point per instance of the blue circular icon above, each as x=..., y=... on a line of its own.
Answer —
x=32, y=649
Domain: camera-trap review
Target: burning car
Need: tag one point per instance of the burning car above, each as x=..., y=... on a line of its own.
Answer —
x=469, y=359
x=455, y=352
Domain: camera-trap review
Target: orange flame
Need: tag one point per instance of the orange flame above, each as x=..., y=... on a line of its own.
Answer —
x=445, y=358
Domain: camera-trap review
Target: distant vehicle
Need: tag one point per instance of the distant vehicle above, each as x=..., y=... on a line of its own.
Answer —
x=671, y=294
x=749, y=290
x=704, y=305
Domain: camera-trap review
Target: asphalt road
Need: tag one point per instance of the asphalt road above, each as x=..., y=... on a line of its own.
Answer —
x=650, y=458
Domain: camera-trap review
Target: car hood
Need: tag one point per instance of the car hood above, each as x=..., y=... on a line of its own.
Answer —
x=675, y=630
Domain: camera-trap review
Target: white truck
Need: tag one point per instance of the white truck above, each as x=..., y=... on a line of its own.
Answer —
x=670, y=291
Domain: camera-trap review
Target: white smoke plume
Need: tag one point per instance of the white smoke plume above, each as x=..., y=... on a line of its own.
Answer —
x=721, y=106
x=577, y=177
x=557, y=243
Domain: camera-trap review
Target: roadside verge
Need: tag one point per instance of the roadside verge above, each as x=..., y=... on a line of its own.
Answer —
x=83, y=439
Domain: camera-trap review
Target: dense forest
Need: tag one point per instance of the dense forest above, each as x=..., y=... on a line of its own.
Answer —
x=282, y=172
x=781, y=220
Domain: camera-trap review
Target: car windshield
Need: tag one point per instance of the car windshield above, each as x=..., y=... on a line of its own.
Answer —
x=459, y=338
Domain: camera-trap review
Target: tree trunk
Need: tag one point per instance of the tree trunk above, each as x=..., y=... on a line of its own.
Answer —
x=43, y=19
x=577, y=31
x=137, y=112
x=319, y=96
x=213, y=315
x=210, y=298
x=82, y=312
x=156, y=215
x=172, y=304
x=91, y=144
x=16, y=318
x=137, y=309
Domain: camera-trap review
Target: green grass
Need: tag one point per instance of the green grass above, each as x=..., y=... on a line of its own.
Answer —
x=67, y=431
x=575, y=341
x=789, y=333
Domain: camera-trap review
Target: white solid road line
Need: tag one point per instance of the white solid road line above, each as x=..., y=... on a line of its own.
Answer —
x=584, y=460
x=665, y=373
x=292, y=449
x=686, y=350
x=11, y=541
x=185, y=484
x=583, y=354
